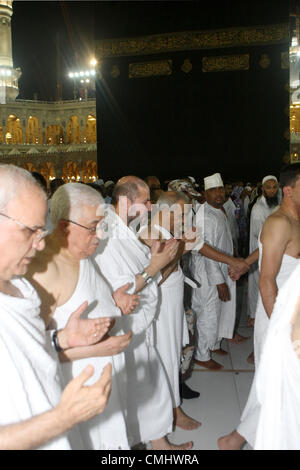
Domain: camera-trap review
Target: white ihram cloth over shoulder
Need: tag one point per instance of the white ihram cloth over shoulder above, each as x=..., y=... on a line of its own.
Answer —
x=30, y=383
x=260, y=212
x=106, y=431
x=171, y=331
x=278, y=376
x=249, y=419
x=121, y=258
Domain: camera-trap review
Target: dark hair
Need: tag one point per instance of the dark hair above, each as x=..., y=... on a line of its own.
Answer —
x=289, y=174
x=40, y=179
x=56, y=183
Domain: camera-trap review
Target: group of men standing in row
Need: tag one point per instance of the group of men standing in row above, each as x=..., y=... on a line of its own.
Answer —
x=126, y=273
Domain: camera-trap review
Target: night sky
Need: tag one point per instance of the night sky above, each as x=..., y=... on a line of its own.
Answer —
x=36, y=28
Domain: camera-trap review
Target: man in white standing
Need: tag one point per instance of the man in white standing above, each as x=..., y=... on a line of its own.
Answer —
x=171, y=332
x=263, y=207
x=33, y=413
x=215, y=299
x=126, y=259
x=64, y=275
x=279, y=256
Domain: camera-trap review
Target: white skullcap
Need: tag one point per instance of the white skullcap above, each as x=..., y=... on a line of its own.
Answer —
x=108, y=183
x=213, y=181
x=267, y=178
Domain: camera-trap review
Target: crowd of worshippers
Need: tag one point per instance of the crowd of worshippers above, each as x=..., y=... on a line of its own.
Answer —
x=111, y=292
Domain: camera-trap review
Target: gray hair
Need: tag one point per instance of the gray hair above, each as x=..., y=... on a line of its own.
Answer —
x=69, y=200
x=13, y=180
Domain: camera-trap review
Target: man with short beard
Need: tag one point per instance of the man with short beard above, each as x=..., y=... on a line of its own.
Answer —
x=264, y=207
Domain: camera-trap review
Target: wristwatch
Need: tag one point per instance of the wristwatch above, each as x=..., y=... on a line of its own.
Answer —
x=146, y=277
x=55, y=342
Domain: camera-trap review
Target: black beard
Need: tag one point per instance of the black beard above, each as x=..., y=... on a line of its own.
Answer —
x=272, y=201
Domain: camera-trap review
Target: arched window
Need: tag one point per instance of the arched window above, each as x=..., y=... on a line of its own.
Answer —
x=70, y=172
x=48, y=171
x=89, y=172
x=33, y=131
x=90, y=131
x=73, y=135
x=13, y=131
x=54, y=135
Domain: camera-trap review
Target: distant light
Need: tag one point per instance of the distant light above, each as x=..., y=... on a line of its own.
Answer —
x=71, y=75
x=294, y=41
x=93, y=62
x=93, y=72
x=81, y=73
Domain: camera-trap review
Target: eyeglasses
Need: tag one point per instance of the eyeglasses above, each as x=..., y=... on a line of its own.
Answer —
x=92, y=230
x=38, y=233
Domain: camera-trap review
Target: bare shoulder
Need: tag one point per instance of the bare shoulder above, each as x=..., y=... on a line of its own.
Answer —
x=277, y=224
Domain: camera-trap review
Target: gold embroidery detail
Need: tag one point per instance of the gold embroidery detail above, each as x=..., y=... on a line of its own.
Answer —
x=225, y=63
x=150, y=69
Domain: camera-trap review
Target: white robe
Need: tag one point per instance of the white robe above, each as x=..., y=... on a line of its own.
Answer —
x=230, y=208
x=149, y=403
x=278, y=376
x=30, y=383
x=106, y=431
x=260, y=212
x=249, y=419
x=215, y=319
x=171, y=331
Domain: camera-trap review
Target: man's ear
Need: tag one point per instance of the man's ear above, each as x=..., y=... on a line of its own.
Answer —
x=62, y=226
x=287, y=191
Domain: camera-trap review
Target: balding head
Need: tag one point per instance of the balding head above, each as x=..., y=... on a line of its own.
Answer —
x=130, y=187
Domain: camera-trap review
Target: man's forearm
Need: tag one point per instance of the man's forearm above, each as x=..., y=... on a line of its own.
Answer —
x=32, y=433
x=72, y=354
x=252, y=257
x=215, y=255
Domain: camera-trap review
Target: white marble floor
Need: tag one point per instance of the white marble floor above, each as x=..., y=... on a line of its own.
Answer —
x=223, y=394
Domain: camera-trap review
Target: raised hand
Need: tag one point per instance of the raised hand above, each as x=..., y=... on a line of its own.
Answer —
x=83, y=332
x=112, y=345
x=80, y=402
x=163, y=253
x=126, y=302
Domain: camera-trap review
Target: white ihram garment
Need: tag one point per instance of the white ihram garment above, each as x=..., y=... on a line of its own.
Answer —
x=278, y=376
x=249, y=419
x=215, y=319
x=230, y=209
x=171, y=331
x=106, y=431
x=30, y=382
x=149, y=403
x=259, y=214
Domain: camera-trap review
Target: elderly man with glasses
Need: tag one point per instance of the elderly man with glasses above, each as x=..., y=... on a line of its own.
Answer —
x=33, y=412
x=64, y=275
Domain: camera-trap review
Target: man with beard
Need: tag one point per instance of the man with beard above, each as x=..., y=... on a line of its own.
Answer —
x=264, y=207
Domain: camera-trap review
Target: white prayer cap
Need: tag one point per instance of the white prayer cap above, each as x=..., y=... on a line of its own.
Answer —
x=213, y=181
x=267, y=178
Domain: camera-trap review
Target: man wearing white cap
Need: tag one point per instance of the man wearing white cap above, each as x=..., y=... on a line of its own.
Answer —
x=264, y=207
x=214, y=300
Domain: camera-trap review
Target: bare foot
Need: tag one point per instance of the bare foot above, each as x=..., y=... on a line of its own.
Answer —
x=250, y=358
x=238, y=339
x=233, y=441
x=164, y=444
x=220, y=351
x=184, y=421
x=211, y=364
